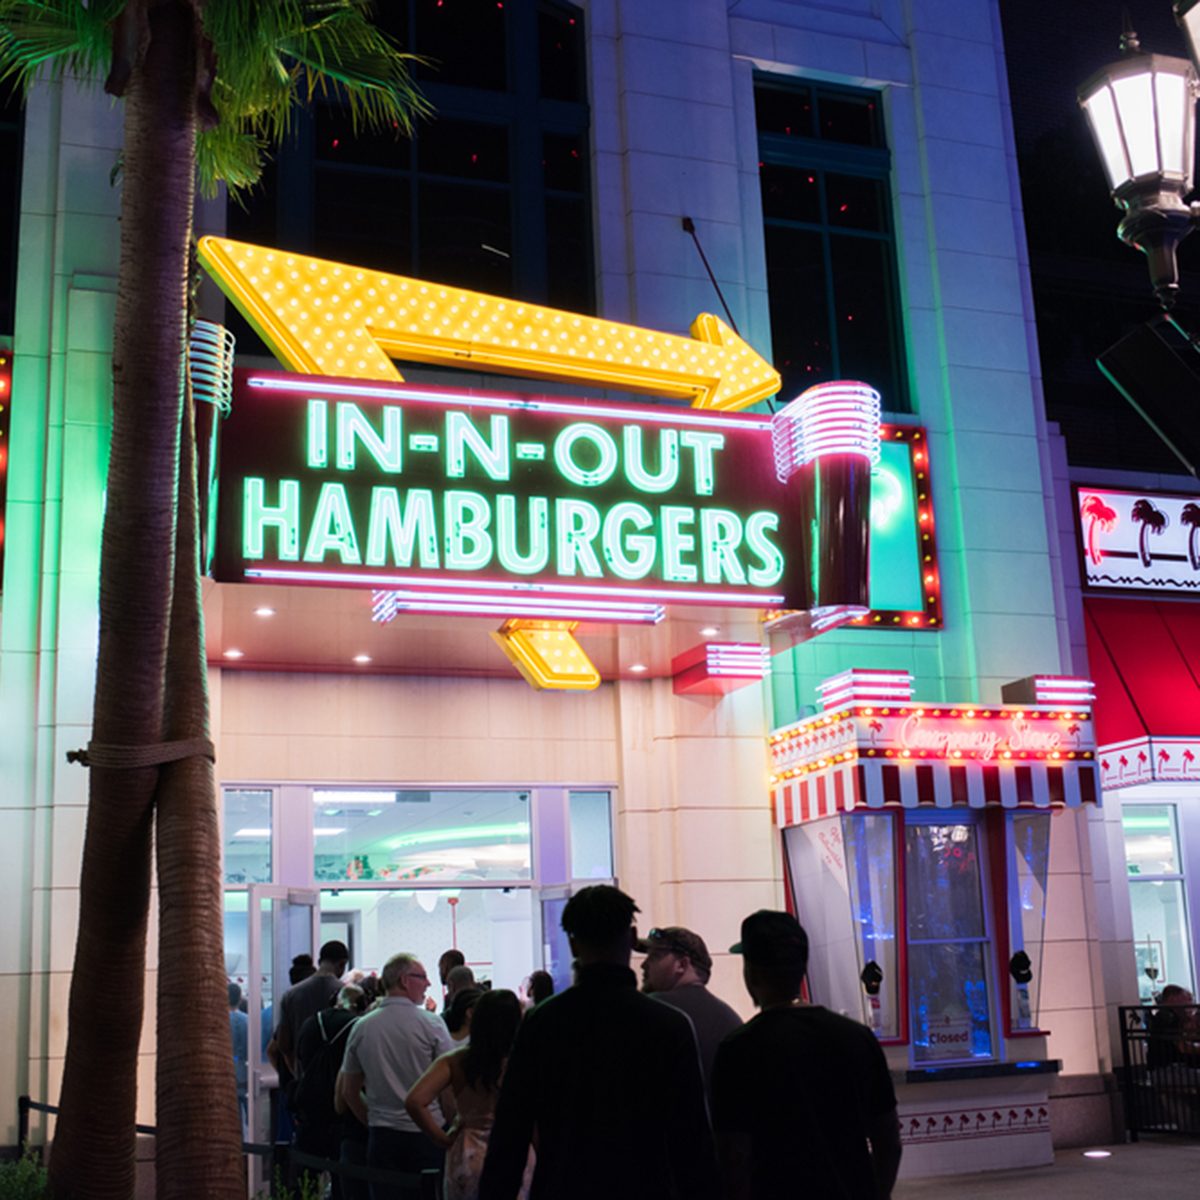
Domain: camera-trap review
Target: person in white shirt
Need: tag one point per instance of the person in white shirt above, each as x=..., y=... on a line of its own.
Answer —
x=388, y=1051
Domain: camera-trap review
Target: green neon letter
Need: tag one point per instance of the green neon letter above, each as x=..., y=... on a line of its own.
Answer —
x=668, y=460
x=258, y=515
x=604, y=445
x=676, y=543
x=318, y=434
x=576, y=523
x=759, y=544
x=468, y=543
x=332, y=527
x=461, y=436
x=353, y=426
x=403, y=529
x=539, y=535
x=720, y=537
x=617, y=547
x=703, y=445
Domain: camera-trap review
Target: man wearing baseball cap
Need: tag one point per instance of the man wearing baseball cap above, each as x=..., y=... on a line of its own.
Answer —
x=802, y=1099
x=676, y=970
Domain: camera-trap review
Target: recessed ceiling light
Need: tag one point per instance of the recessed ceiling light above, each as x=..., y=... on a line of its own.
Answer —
x=264, y=610
x=1097, y=1154
x=362, y=658
x=235, y=654
x=709, y=631
x=638, y=667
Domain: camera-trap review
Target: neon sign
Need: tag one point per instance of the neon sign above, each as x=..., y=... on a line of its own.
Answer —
x=328, y=318
x=1139, y=541
x=445, y=495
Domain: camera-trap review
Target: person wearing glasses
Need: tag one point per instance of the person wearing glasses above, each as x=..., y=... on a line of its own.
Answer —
x=389, y=1050
x=676, y=970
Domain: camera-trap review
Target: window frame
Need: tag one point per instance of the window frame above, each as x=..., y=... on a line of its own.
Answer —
x=520, y=109
x=960, y=815
x=843, y=158
x=1179, y=877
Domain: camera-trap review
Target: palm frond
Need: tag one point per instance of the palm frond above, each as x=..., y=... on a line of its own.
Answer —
x=62, y=35
x=273, y=55
x=231, y=155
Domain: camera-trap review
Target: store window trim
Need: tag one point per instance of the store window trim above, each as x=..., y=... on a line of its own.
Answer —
x=1145, y=954
x=817, y=149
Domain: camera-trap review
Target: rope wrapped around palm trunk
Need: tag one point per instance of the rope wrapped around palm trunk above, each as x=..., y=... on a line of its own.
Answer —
x=132, y=758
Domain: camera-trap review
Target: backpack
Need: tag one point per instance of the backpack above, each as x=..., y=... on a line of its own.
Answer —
x=310, y=1097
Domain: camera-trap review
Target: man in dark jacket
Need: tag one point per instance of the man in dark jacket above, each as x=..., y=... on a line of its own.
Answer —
x=610, y=1079
x=803, y=1104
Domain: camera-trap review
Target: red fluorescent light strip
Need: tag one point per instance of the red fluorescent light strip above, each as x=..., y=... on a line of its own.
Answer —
x=537, y=590
x=388, y=604
x=669, y=416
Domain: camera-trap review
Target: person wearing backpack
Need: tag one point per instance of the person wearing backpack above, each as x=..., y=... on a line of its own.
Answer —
x=320, y=1047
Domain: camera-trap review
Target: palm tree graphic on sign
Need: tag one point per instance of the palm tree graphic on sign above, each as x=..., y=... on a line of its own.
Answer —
x=1096, y=513
x=1190, y=516
x=1152, y=520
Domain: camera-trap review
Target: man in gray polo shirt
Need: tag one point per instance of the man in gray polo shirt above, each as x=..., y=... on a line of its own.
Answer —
x=389, y=1049
x=676, y=970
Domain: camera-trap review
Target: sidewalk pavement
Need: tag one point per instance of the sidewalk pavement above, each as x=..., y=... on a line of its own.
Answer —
x=1159, y=1169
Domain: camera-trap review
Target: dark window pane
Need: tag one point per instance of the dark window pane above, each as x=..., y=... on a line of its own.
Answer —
x=855, y=203
x=464, y=150
x=560, y=52
x=799, y=312
x=465, y=236
x=464, y=39
x=250, y=216
x=785, y=110
x=392, y=16
x=562, y=162
x=337, y=141
x=791, y=193
x=846, y=117
x=568, y=255
x=363, y=219
x=867, y=324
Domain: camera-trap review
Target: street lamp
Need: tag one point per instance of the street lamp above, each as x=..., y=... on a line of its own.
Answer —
x=1141, y=112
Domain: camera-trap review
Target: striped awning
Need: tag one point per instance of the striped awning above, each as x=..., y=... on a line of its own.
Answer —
x=846, y=786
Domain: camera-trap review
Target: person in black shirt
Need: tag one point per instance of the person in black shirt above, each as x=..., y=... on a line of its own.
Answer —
x=609, y=1078
x=803, y=1104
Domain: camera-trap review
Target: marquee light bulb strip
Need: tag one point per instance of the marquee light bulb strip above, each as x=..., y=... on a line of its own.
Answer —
x=329, y=318
x=929, y=616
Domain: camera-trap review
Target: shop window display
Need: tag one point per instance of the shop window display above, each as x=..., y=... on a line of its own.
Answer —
x=409, y=835
x=247, y=835
x=949, y=1005
x=1028, y=866
x=1157, y=897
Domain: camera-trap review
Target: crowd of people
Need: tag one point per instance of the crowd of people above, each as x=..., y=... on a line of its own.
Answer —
x=604, y=1089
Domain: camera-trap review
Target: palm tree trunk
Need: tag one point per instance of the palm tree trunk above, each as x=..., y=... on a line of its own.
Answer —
x=199, y=1144
x=93, y=1152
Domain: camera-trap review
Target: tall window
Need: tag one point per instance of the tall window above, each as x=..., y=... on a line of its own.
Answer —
x=12, y=120
x=831, y=273
x=1157, y=897
x=492, y=191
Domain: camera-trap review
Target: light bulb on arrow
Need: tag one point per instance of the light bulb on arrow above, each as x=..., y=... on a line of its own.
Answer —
x=327, y=318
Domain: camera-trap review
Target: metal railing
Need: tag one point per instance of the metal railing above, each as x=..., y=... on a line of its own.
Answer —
x=284, y=1160
x=1160, y=1077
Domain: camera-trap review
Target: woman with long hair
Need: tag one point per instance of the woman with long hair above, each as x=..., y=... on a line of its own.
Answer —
x=473, y=1073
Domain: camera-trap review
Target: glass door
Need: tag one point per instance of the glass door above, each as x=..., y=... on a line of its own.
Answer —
x=552, y=949
x=281, y=922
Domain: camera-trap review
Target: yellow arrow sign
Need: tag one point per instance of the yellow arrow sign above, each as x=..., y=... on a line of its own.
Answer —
x=327, y=318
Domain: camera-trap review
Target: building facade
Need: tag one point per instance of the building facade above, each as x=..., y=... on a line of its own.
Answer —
x=838, y=183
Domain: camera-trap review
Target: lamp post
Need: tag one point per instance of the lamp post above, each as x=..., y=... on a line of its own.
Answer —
x=1141, y=112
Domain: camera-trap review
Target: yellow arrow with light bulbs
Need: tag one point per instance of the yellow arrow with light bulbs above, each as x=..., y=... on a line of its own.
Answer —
x=327, y=318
